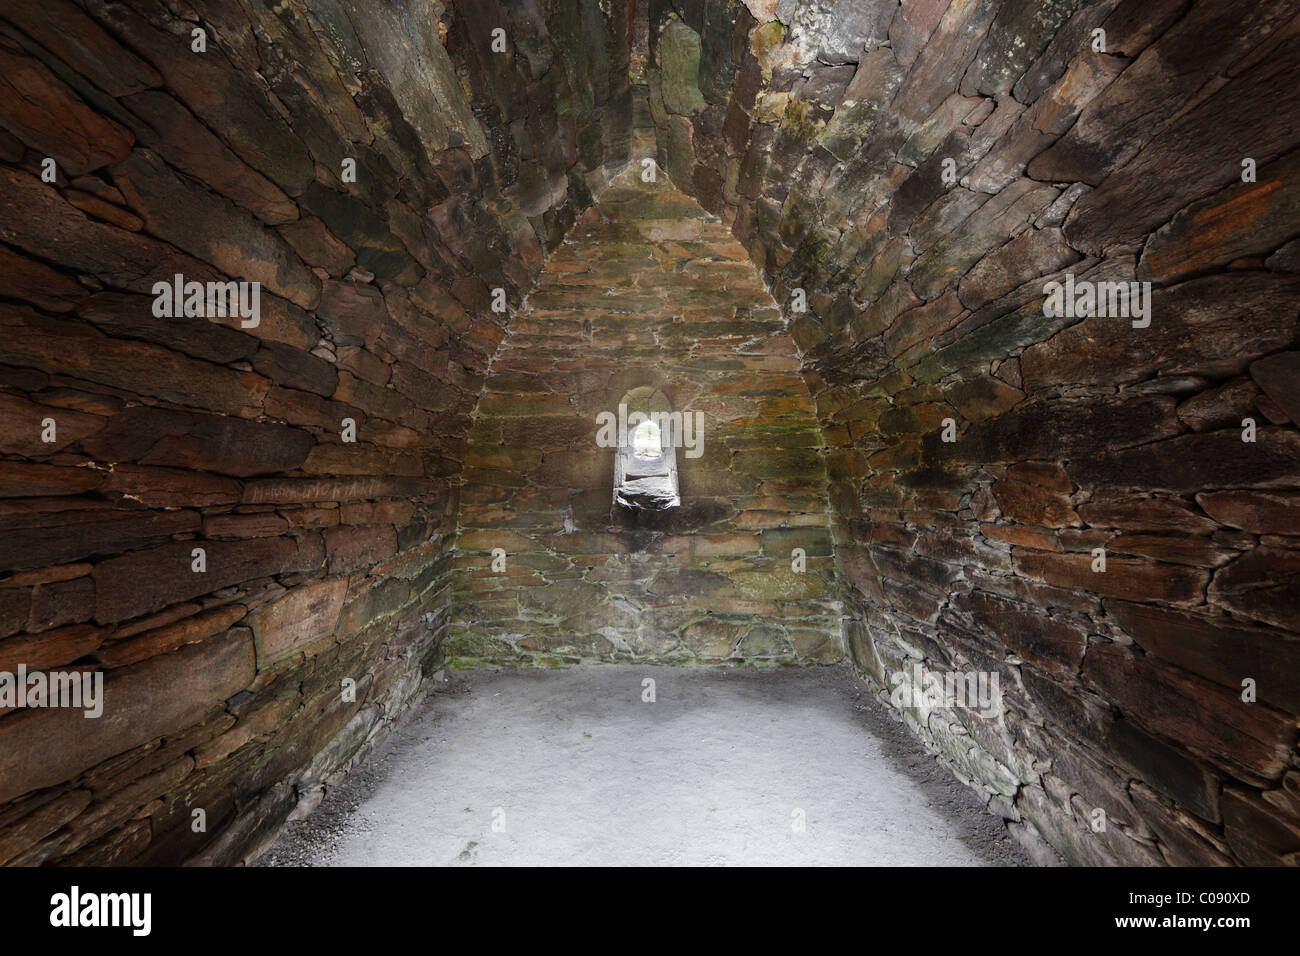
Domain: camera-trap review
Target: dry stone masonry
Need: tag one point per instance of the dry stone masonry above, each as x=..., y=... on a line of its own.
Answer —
x=379, y=171
x=983, y=314
x=647, y=290
x=919, y=173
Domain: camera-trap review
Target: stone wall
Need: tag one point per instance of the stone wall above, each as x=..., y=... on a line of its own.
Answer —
x=183, y=511
x=135, y=445
x=921, y=171
x=648, y=290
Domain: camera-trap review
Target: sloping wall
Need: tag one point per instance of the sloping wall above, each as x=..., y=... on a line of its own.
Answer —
x=921, y=171
x=239, y=676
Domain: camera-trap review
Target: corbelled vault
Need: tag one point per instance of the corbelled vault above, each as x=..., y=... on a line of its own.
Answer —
x=978, y=319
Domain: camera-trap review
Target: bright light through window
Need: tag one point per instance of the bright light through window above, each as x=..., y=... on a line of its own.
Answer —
x=646, y=442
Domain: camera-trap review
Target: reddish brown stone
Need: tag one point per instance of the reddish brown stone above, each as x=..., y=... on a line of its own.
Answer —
x=356, y=312
x=69, y=601
x=944, y=59
x=1220, y=407
x=229, y=446
x=1244, y=219
x=304, y=408
x=1263, y=584
x=350, y=548
x=314, y=243
x=304, y=617
x=1025, y=537
x=1279, y=376
x=1029, y=632
x=170, y=487
x=1123, y=577
x=107, y=211
x=1218, y=648
x=1059, y=429
x=912, y=26
x=41, y=110
x=1193, y=463
x=21, y=480
x=232, y=446
x=1211, y=326
x=62, y=28
x=1182, y=843
x=1197, y=552
x=994, y=223
x=1271, y=410
x=213, y=230
x=48, y=538
x=1165, y=768
x=1258, y=834
x=924, y=322
x=379, y=512
x=1132, y=201
x=982, y=398
x=160, y=696
x=52, y=649
x=1034, y=505
x=145, y=581
x=23, y=427
x=177, y=612
x=262, y=525
x=85, y=838
x=358, y=458
x=1044, y=474
x=311, y=517
x=171, y=637
x=1262, y=513
x=131, y=317
x=36, y=219
x=386, y=403
x=43, y=819
x=1192, y=711
x=64, y=572
x=365, y=364
x=192, y=148
x=1115, y=126
x=37, y=283
x=1144, y=514
x=74, y=347
x=1035, y=252
x=294, y=368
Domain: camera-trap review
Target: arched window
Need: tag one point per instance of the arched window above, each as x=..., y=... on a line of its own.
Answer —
x=645, y=467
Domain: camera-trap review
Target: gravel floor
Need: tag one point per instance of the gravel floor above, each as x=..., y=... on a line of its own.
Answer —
x=726, y=766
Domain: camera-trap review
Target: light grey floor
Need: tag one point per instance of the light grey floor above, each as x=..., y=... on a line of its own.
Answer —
x=572, y=767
